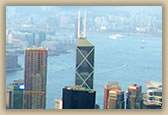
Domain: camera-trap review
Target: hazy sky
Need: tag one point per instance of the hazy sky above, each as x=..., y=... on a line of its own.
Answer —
x=145, y=9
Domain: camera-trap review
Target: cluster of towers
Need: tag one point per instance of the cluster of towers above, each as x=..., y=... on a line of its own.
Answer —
x=33, y=90
x=35, y=77
x=31, y=93
x=114, y=97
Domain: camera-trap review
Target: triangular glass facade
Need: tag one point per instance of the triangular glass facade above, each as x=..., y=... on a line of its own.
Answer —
x=84, y=66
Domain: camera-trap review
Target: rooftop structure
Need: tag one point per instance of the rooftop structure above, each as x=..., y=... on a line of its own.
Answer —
x=35, y=48
x=81, y=26
x=153, y=84
x=84, y=43
x=78, y=88
x=153, y=96
x=78, y=98
x=134, y=87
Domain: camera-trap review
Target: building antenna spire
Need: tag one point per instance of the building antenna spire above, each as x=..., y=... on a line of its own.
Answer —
x=78, y=24
x=81, y=26
x=85, y=24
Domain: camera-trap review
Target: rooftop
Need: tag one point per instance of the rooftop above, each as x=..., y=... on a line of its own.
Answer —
x=134, y=86
x=112, y=83
x=58, y=100
x=83, y=42
x=79, y=88
x=36, y=48
x=153, y=84
x=116, y=91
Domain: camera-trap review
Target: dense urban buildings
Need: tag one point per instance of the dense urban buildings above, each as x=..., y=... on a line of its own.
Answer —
x=134, y=98
x=77, y=97
x=35, y=78
x=14, y=95
x=113, y=96
x=55, y=28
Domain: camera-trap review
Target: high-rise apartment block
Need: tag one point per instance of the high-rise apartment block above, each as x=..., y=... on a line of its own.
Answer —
x=134, y=97
x=113, y=96
x=77, y=97
x=14, y=95
x=35, y=78
x=153, y=96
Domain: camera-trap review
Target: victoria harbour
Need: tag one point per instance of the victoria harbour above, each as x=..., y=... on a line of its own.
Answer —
x=128, y=59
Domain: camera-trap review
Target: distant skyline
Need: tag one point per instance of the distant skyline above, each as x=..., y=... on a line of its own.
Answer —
x=99, y=18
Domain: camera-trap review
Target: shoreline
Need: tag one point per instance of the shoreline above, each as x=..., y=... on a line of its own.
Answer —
x=15, y=69
x=131, y=34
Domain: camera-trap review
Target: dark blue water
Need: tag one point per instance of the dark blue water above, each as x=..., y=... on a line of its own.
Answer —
x=126, y=60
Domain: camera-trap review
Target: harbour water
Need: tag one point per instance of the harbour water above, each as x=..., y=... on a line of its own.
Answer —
x=127, y=60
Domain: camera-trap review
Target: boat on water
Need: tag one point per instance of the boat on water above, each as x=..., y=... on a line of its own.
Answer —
x=115, y=36
x=125, y=65
x=143, y=41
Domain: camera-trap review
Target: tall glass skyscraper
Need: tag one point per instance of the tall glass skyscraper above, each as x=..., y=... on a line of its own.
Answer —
x=84, y=63
x=84, y=57
x=14, y=95
x=42, y=37
x=77, y=97
x=35, y=77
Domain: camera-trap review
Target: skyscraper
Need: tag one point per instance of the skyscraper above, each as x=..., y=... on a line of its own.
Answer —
x=153, y=97
x=134, y=97
x=77, y=97
x=35, y=77
x=84, y=57
x=14, y=95
x=115, y=99
x=30, y=38
x=113, y=96
x=42, y=37
x=12, y=61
